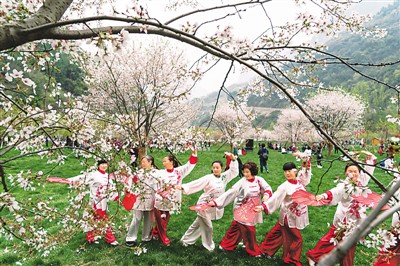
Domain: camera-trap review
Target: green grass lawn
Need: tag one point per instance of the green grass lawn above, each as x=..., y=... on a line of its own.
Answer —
x=77, y=252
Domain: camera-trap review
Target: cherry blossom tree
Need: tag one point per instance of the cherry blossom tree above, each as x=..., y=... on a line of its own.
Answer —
x=147, y=85
x=232, y=122
x=338, y=113
x=294, y=127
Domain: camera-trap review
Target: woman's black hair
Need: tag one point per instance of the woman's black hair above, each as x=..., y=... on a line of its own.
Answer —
x=288, y=166
x=252, y=167
x=151, y=159
x=173, y=160
x=101, y=161
x=352, y=164
x=218, y=161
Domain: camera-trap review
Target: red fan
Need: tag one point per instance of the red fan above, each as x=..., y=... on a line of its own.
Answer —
x=371, y=200
x=245, y=213
x=307, y=198
x=54, y=179
x=129, y=200
x=199, y=207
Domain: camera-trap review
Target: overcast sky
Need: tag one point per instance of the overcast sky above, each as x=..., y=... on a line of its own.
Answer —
x=280, y=11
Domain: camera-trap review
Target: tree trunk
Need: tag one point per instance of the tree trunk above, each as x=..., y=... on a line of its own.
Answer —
x=330, y=146
x=142, y=152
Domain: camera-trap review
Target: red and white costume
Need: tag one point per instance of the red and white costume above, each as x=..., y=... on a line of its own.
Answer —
x=102, y=189
x=213, y=186
x=370, y=164
x=243, y=191
x=293, y=217
x=144, y=184
x=172, y=202
x=348, y=212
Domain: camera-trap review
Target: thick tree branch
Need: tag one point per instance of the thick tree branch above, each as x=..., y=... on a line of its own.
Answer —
x=11, y=35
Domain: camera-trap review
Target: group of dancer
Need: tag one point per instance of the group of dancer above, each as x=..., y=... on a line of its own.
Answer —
x=159, y=192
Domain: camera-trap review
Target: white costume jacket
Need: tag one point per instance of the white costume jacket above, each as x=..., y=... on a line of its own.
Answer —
x=242, y=191
x=102, y=188
x=347, y=208
x=144, y=184
x=213, y=188
x=296, y=214
x=169, y=179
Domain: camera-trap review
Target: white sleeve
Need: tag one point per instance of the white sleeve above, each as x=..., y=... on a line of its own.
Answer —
x=232, y=172
x=79, y=178
x=305, y=175
x=337, y=194
x=266, y=187
x=364, y=178
x=195, y=186
x=274, y=202
x=228, y=196
x=185, y=169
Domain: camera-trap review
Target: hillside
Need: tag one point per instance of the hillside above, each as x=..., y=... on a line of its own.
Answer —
x=369, y=50
x=357, y=49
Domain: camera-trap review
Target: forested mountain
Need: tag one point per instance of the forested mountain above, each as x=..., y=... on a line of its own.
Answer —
x=361, y=50
x=369, y=50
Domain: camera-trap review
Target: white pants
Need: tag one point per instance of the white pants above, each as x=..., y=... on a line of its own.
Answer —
x=200, y=227
x=148, y=220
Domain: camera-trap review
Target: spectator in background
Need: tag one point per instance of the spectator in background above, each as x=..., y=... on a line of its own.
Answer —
x=381, y=149
x=389, y=163
x=336, y=149
x=293, y=148
x=263, y=155
x=370, y=162
x=319, y=157
x=235, y=150
x=390, y=151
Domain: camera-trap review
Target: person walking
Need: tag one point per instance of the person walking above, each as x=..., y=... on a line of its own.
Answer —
x=263, y=154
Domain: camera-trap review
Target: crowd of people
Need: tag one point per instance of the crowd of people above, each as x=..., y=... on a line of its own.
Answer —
x=158, y=192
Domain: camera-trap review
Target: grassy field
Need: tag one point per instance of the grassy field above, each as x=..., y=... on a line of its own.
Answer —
x=78, y=252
